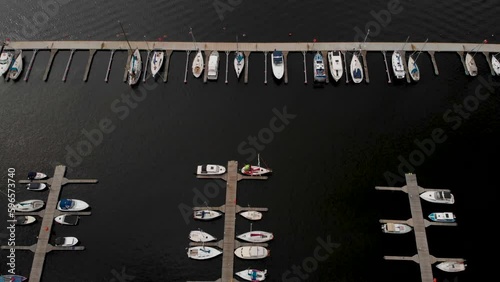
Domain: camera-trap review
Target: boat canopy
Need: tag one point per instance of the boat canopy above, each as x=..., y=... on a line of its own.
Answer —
x=66, y=204
x=278, y=57
x=21, y=219
x=357, y=73
x=34, y=185
x=31, y=175
x=60, y=240
x=443, y=195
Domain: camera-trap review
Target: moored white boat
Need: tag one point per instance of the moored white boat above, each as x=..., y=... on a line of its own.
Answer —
x=5, y=62
x=496, y=64
x=252, y=252
x=29, y=205
x=36, y=186
x=251, y=215
x=210, y=169
x=452, y=266
x=156, y=62
x=256, y=236
x=356, y=69
x=33, y=175
x=413, y=69
x=200, y=236
x=277, y=64
x=397, y=65
x=470, y=63
x=25, y=220
x=206, y=214
x=17, y=66
x=396, y=228
x=239, y=63
x=254, y=170
x=442, y=217
x=198, y=64
x=213, y=66
x=134, y=71
x=66, y=241
x=319, y=68
x=72, y=205
x=67, y=219
x=441, y=197
x=203, y=252
x=335, y=61
x=252, y=274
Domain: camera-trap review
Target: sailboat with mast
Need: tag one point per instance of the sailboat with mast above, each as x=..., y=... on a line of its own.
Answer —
x=356, y=68
x=198, y=62
x=135, y=65
x=239, y=60
x=495, y=63
x=412, y=64
x=253, y=170
x=470, y=63
x=398, y=61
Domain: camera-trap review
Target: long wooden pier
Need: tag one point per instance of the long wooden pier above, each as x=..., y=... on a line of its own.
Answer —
x=42, y=247
x=230, y=209
x=423, y=256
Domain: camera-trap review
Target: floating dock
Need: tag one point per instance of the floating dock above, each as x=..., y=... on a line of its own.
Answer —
x=423, y=257
x=42, y=247
x=247, y=48
x=230, y=209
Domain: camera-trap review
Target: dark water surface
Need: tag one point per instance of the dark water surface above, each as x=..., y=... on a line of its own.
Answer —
x=335, y=147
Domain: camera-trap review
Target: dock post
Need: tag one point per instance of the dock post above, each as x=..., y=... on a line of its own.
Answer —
x=488, y=59
x=344, y=54
x=305, y=71
x=49, y=64
x=109, y=65
x=205, y=75
x=325, y=60
x=166, y=63
x=89, y=63
x=365, y=65
x=247, y=55
x=227, y=62
x=127, y=65
x=461, y=54
x=285, y=64
x=28, y=71
x=144, y=72
x=386, y=67
x=434, y=63
x=405, y=66
x=67, y=65
x=187, y=63
x=265, y=67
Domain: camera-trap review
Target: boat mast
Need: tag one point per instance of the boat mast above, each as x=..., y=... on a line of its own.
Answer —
x=237, y=48
x=420, y=52
x=479, y=47
x=194, y=40
x=258, y=160
x=130, y=47
x=364, y=41
x=405, y=43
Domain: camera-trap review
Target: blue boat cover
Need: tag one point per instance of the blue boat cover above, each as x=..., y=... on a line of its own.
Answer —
x=31, y=174
x=357, y=73
x=65, y=204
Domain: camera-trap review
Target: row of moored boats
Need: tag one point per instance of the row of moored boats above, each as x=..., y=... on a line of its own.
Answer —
x=11, y=64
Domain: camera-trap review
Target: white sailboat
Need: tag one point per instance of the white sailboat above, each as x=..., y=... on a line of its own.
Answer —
x=134, y=71
x=452, y=266
x=239, y=60
x=335, y=61
x=252, y=252
x=206, y=214
x=470, y=63
x=200, y=236
x=253, y=170
x=213, y=66
x=356, y=69
x=156, y=62
x=256, y=236
x=203, y=252
x=496, y=64
x=251, y=215
x=413, y=68
x=17, y=66
x=252, y=274
x=198, y=62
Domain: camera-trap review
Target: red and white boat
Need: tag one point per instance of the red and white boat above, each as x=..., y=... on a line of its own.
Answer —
x=256, y=236
x=253, y=170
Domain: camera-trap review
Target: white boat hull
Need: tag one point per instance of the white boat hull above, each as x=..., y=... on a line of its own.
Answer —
x=65, y=220
x=256, y=236
x=200, y=236
x=252, y=252
x=496, y=64
x=206, y=214
x=29, y=205
x=198, y=64
x=413, y=69
x=156, y=62
x=319, y=68
x=451, y=266
x=440, y=197
x=251, y=215
x=210, y=169
x=36, y=175
x=25, y=220
x=5, y=62
x=239, y=63
x=471, y=64
x=252, y=274
x=202, y=252
x=442, y=217
x=17, y=67
x=36, y=186
x=78, y=205
x=255, y=170
x=397, y=65
x=68, y=242
x=336, y=68
x=135, y=68
x=396, y=228
x=278, y=68
x=213, y=66
x=356, y=69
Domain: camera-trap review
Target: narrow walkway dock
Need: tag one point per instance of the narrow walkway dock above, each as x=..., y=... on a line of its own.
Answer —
x=230, y=209
x=423, y=257
x=42, y=247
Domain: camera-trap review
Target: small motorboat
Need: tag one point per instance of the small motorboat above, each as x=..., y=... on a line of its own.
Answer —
x=319, y=68
x=252, y=252
x=29, y=205
x=5, y=62
x=452, y=266
x=36, y=186
x=200, y=236
x=396, y=228
x=25, y=220
x=277, y=64
x=210, y=169
x=397, y=65
x=252, y=274
x=470, y=63
x=442, y=217
x=496, y=64
x=335, y=61
x=251, y=215
x=12, y=278
x=67, y=219
x=135, y=68
x=256, y=236
x=206, y=214
x=156, y=62
x=356, y=69
x=33, y=175
x=203, y=252
x=66, y=241
x=71, y=205
x=198, y=64
x=17, y=66
x=213, y=66
x=239, y=63
x=440, y=197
